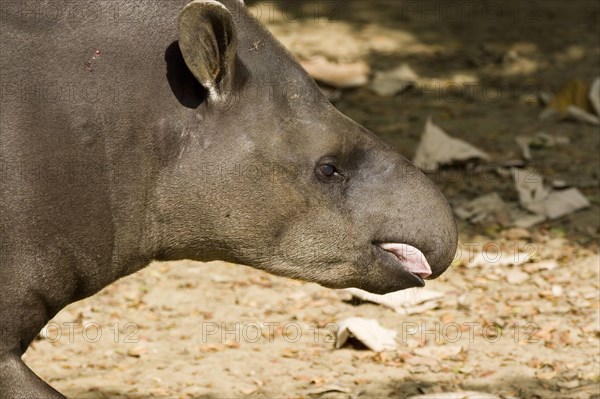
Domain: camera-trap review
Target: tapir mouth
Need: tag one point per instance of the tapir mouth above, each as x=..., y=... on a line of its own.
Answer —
x=411, y=258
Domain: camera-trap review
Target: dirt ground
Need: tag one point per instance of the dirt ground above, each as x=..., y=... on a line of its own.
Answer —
x=185, y=329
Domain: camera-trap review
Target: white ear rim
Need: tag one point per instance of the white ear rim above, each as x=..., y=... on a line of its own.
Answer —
x=213, y=93
x=215, y=2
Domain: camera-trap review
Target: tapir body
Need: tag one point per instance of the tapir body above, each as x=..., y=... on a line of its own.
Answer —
x=169, y=131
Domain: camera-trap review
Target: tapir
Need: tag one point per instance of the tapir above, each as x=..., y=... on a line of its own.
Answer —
x=162, y=130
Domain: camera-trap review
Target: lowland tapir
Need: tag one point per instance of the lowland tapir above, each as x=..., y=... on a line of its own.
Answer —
x=167, y=131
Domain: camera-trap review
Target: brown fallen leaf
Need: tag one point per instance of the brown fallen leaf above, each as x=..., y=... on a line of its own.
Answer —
x=343, y=76
x=289, y=353
x=137, y=351
x=594, y=95
x=574, y=92
x=485, y=373
x=328, y=388
x=232, y=345
x=211, y=348
x=565, y=338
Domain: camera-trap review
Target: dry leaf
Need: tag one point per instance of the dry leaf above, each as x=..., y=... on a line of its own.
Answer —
x=524, y=143
x=327, y=389
x=574, y=92
x=594, y=95
x=540, y=139
x=577, y=114
x=401, y=301
x=211, y=348
x=482, y=209
x=367, y=331
x=531, y=190
x=437, y=148
x=569, y=384
x=418, y=309
x=544, y=201
x=289, y=353
x=137, y=351
x=457, y=395
x=395, y=81
x=232, y=345
x=343, y=76
x=564, y=202
x=249, y=390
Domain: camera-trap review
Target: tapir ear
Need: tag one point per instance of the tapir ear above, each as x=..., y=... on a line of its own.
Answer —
x=208, y=42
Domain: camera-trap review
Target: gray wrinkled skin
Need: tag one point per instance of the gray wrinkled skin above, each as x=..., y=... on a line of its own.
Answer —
x=115, y=159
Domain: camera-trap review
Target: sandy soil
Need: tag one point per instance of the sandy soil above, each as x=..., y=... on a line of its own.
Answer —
x=186, y=329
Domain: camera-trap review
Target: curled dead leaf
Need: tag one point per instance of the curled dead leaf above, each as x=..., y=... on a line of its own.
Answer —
x=437, y=148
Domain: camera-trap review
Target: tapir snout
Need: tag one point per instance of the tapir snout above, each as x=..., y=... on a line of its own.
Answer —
x=378, y=223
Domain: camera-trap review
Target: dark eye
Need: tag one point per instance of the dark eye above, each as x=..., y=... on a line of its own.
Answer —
x=327, y=170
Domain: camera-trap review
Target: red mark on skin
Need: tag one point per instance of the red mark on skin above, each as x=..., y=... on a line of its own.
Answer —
x=89, y=65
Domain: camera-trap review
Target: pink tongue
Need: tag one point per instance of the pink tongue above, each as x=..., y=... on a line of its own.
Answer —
x=412, y=259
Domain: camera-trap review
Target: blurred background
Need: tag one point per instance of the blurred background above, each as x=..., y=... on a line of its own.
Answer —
x=487, y=72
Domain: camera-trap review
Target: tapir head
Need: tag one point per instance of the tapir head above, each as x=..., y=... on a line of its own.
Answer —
x=278, y=179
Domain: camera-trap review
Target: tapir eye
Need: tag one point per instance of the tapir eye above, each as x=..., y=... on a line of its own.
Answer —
x=327, y=171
